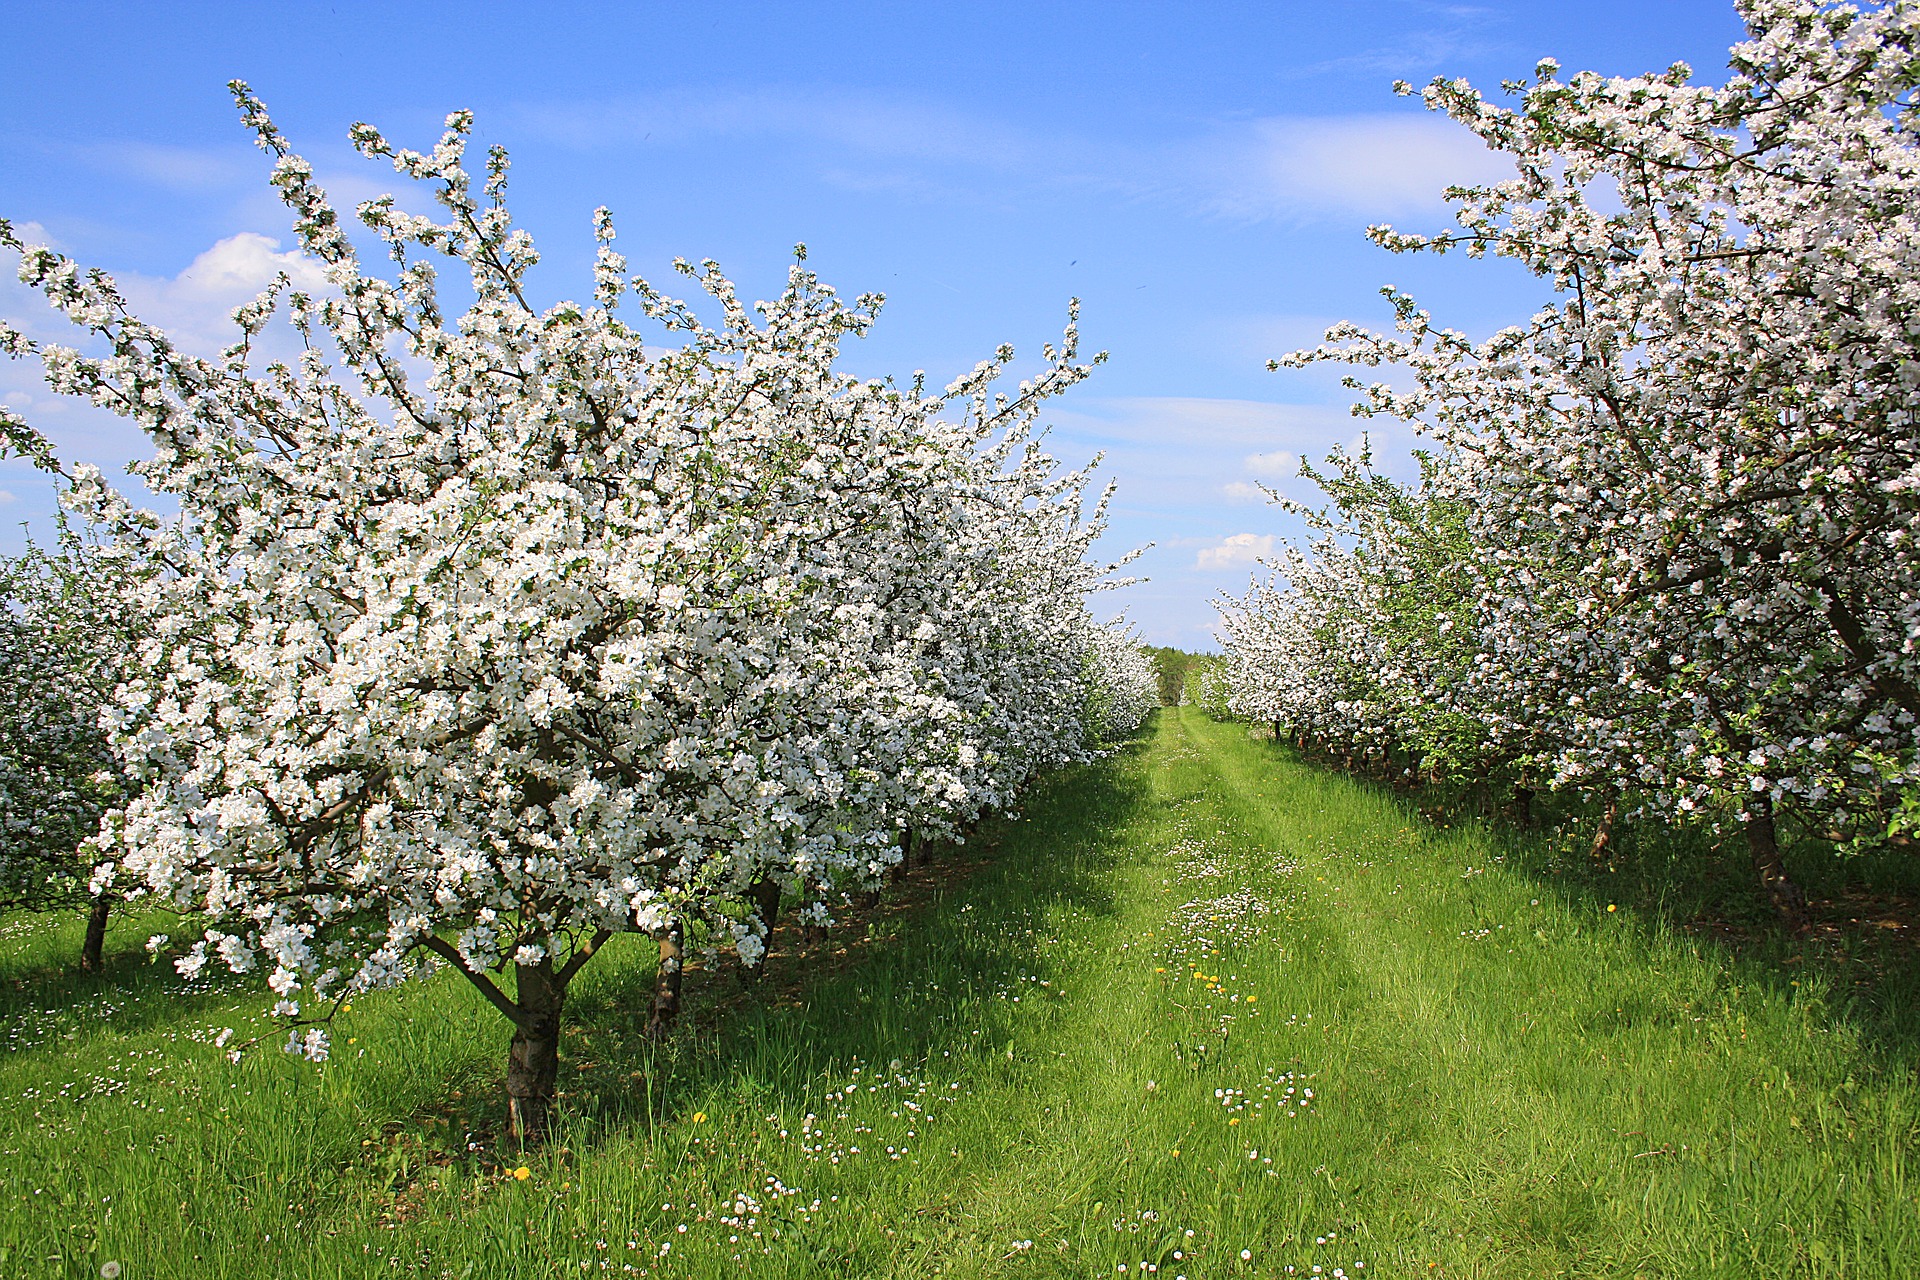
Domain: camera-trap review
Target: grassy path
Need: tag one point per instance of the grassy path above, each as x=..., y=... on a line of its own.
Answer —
x=1202, y=1012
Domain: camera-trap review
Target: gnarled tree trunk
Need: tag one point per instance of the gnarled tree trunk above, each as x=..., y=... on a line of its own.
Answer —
x=1603, y=834
x=764, y=894
x=1520, y=805
x=533, y=1061
x=91, y=957
x=666, y=983
x=1763, y=848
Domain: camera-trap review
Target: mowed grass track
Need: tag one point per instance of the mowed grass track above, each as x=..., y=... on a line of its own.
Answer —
x=1204, y=1011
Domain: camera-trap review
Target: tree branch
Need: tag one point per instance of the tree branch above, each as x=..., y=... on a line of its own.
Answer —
x=581, y=955
x=487, y=987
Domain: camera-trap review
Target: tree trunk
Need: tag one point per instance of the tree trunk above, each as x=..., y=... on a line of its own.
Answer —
x=533, y=1061
x=764, y=894
x=1764, y=849
x=1520, y=805
x=666, y=984
x=96, y=941
x=1603, y=835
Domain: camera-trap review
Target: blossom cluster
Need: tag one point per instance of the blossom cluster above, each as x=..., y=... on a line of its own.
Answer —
x=1665, y=540
x=495, y=633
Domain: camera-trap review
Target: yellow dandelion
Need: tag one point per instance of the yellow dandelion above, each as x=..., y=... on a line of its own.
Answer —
x=1234, y=1121
x=1610, y=906
x=522, y=1174
x=699, y=1117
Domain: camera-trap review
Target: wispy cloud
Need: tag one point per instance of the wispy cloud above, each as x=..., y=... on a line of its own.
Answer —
x=177, y=168
x=1180, y=456
x=1435, y=36
x=1187, y=422
x=1278, y=463
x=36, y=233
x=1242, y=492
x=1374, y=167
x=851, y=122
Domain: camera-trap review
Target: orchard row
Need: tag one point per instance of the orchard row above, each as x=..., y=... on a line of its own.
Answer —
x=483, y=637
x=1662, y=548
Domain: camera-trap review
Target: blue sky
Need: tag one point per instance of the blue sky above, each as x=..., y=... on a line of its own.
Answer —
x=1199, y=174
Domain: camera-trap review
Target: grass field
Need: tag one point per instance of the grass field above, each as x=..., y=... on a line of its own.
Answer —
x=1204, y=1011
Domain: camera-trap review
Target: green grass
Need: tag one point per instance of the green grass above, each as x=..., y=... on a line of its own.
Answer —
x=1082, y=1037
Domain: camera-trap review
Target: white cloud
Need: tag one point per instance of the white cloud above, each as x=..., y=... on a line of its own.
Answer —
x=35, y=233
x=1369, y=166
x=196, y=306
x=240, y=266
x=1238, y=550
x=6, y=498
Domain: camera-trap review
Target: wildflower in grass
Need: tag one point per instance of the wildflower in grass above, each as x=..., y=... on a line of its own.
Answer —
x=109, y=1271
x=522, y=1174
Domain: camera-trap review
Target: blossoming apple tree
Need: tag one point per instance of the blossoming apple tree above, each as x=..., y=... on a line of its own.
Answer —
x=1689, y=485
x=66, y=637
x=486, y=637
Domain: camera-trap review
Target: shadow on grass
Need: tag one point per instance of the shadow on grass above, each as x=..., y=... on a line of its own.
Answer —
x=46, y=999
x=1862, y=957
x=918, y=972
